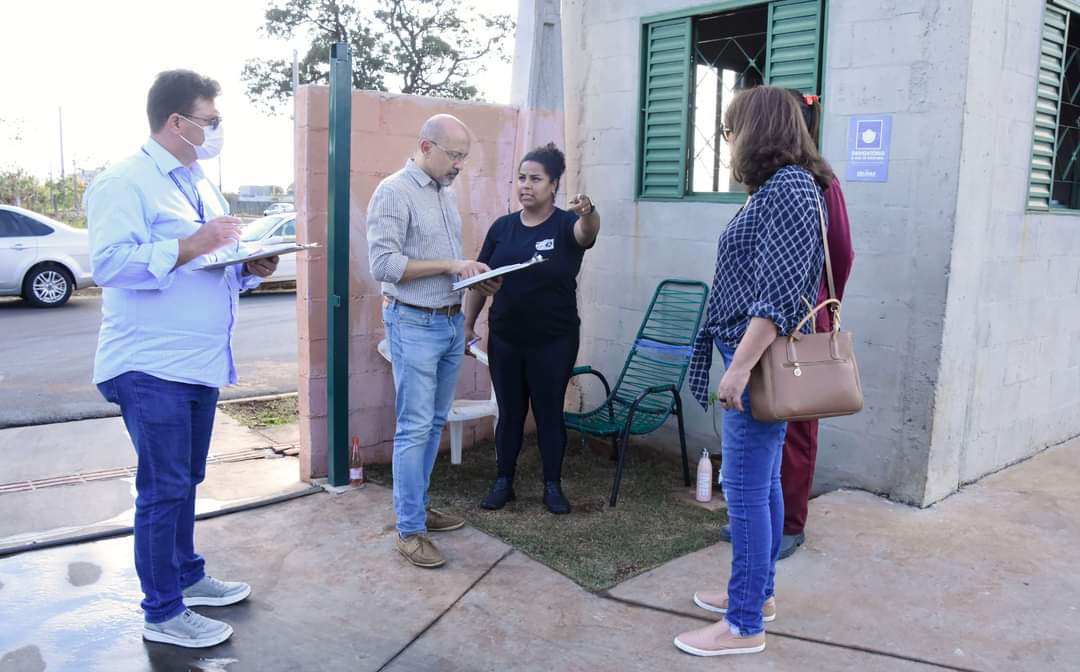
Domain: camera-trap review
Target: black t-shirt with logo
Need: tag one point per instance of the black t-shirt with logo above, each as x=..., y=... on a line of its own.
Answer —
x=540, y=302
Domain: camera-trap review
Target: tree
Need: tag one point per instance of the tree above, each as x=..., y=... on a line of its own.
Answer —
x=422, y=47
x=17, y=187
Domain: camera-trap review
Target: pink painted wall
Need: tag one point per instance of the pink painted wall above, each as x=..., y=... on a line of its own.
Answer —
x=384, y=130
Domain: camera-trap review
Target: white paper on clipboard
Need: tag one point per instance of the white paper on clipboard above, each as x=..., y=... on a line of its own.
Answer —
x=497, y=272
x=248, y=254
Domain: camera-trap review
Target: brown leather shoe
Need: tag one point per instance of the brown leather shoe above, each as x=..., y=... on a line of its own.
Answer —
x=420, y=551
x=718, y=640
x=437, y=521
x=716, y=601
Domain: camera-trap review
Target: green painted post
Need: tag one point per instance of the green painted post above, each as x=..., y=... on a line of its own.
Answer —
x=337, y=305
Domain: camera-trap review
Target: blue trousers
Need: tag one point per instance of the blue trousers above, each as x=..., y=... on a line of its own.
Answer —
x=427, y=351
x=170, y=425
x=752, y=453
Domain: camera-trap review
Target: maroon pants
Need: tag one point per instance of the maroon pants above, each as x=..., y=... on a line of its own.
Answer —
x=797, y=472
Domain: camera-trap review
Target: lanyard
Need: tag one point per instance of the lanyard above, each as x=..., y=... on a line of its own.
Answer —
x=197, y=204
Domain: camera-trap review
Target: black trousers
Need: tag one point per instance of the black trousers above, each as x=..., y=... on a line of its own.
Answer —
x=535, y=375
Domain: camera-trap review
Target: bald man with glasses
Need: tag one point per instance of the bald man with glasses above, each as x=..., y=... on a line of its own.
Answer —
x=415, y=251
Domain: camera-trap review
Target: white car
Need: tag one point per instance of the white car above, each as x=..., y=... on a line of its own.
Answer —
x=279, y=209
x=41, y=259
x=274, y=230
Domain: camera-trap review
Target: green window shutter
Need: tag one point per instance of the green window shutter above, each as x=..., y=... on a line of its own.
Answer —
x=665, y=105
x=1047, y=103
x=792, y=54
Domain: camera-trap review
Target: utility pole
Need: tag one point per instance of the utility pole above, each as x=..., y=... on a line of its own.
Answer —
x=61, y=110
x=295, y=73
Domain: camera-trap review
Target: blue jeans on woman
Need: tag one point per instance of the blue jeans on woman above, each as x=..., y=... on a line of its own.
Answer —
x=752, y=452
x=427, y=350
x=170, y=425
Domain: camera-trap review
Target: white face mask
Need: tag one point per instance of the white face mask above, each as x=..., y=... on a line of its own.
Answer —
x=213, y=140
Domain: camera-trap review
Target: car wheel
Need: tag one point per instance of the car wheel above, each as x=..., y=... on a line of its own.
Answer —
x=48, y=286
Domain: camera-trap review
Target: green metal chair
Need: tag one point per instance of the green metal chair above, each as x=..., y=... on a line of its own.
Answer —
x=647, y=391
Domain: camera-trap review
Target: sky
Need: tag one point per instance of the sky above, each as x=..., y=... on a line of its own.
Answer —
x=96, y=61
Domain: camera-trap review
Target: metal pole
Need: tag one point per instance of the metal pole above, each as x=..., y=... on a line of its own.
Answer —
x=337, y=305
x=61, y=113
x=295, y=73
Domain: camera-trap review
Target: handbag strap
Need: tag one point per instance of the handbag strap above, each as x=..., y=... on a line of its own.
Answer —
x=825, y=242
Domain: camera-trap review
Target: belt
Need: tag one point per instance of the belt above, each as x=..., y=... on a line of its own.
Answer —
x=449, y=311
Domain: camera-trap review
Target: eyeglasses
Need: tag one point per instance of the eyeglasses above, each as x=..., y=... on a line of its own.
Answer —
x=453, y=156
x=212, y=122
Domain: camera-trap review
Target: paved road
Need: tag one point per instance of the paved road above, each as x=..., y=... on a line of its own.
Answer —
x=47, y=357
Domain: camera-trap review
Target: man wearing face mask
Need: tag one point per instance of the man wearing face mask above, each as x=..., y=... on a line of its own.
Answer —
x=165, y=343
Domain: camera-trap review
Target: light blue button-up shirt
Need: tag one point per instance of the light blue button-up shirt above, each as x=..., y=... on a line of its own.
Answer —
x=172, y=323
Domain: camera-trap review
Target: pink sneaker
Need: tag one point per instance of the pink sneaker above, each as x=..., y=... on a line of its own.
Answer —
x=717, y=602
x=718, y=640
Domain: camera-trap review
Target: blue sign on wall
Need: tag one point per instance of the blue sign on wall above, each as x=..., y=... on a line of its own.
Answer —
x=868, y=148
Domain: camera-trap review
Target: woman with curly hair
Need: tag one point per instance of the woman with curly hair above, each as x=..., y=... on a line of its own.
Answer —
x=534, y=324
x=768, y=264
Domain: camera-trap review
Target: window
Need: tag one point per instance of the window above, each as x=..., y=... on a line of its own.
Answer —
x=35, y=227
x=9, y=228
x=289, y=230
x=1055, y=155
x=692, y=68
x=729, y=55
x=14, y=225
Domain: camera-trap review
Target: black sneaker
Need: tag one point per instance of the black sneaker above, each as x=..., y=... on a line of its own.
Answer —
x=790, y=544
x=554, y=499
x=502, y=491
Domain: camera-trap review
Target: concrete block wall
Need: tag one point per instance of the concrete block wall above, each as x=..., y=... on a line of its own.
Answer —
x=908, y=60
x=384, y=135
x=905, y=59
x=1010, y=382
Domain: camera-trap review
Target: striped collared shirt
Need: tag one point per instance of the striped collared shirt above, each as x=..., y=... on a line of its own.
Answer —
x=411, y=216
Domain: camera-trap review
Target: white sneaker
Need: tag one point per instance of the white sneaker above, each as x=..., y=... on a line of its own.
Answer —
x=211, y=592
x=189, y=630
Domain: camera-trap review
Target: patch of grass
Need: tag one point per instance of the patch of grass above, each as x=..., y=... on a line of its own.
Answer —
x=263, y=413
x=595, y=545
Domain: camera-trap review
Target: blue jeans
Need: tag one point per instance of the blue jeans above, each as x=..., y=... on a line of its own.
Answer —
x=170, y=425
x=752, y=452
x=427, y=351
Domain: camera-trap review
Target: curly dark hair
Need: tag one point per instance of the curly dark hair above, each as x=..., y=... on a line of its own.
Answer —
x=551, y=158
x=769, y=132
x=175, y=91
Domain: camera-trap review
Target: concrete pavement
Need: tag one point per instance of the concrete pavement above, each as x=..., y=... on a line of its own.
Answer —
x=982, y=581
x=73, y=478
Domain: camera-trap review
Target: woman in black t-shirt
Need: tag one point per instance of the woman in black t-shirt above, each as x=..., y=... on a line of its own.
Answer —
x=533, y=322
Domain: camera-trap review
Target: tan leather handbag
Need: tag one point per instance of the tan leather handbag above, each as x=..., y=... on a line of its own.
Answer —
x=808, y=376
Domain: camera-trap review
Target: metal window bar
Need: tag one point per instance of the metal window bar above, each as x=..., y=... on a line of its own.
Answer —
x=755, y=62
x=1067, y=150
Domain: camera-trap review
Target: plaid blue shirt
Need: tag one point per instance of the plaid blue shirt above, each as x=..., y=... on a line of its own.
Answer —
x=768, y=259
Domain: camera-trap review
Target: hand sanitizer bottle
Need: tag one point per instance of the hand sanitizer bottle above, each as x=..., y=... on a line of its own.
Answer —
x=704, y=477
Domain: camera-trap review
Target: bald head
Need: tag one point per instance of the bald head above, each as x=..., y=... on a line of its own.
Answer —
x=444, y=129
x=442, y=148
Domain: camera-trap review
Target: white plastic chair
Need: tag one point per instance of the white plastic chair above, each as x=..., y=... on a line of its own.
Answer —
x=463, y=410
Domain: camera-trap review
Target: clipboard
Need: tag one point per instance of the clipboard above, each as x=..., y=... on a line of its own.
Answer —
x=257, y=253
x=496, y=272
